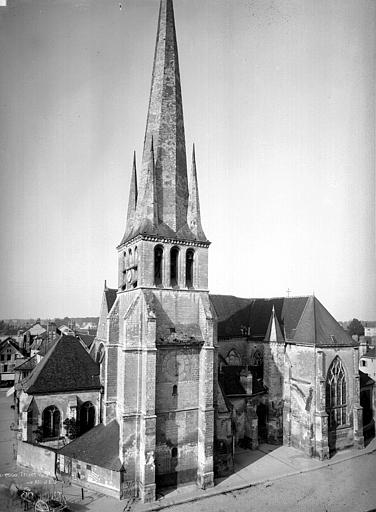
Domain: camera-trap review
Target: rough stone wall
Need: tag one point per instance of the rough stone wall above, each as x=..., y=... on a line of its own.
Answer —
x=36, y=457
x=68, y=404
x=305, y=417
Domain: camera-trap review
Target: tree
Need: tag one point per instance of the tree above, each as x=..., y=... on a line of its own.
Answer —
x=71, y=428
x=356, y=327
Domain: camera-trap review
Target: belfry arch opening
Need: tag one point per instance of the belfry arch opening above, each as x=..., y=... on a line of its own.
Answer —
x=174, y=266
x=189, y=258
x=158, y=260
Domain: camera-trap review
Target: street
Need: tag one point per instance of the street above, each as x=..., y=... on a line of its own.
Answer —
x=348, y=486
x=344, y=486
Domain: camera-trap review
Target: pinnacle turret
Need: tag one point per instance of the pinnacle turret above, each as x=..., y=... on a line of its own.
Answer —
x=193, y=214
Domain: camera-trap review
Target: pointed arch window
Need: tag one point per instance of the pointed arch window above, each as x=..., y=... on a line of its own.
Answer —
x=87, y=417
x=51, y=421
x=336, y=395
x=233, y=358
x=158, y=259
x=189, y=257
x=174, y=259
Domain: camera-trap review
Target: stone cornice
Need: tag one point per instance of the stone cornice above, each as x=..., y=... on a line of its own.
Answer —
x=165, y=240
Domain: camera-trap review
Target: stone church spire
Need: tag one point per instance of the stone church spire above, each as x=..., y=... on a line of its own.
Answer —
x=173, y=214
x=166, y=125
x=193, y=215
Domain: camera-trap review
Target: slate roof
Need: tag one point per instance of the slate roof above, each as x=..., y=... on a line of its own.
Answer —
x=87, y=339
x=98, y=446
x=110, y=294
x=67, y=366
x=301, y=319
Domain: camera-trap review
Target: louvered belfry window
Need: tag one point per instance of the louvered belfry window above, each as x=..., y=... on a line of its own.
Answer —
x=336, y=395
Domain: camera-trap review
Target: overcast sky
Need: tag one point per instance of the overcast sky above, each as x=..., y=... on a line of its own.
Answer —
x=279, y=97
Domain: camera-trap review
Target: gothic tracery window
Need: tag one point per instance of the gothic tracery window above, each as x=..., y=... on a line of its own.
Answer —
x=336, y=395
x=233, y=358
x=51, y=421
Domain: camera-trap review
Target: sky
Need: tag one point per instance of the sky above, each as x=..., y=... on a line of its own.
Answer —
x=279, y=98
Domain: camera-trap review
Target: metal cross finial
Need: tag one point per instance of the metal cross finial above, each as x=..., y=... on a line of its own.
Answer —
x=288, y=291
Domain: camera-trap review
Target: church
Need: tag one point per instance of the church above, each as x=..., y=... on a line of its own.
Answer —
x=187, y=377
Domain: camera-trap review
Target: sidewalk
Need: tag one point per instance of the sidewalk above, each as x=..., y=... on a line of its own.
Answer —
x=267, y=464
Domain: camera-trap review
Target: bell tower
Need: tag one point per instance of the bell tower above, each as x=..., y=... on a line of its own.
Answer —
x=162, y=328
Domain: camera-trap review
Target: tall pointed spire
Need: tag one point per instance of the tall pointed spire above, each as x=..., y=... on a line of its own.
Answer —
x=193, y=214
x=166, y=125
x=165, y=182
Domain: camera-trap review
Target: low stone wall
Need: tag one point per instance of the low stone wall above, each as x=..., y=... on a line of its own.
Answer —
x=37, y=457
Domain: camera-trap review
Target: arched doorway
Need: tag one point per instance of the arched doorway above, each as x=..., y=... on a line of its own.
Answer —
x=87, y=417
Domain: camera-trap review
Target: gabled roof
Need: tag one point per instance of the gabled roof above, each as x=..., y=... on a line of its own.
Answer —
x=98, y=446
x=301, y=320
x=10, y=342
x=67, y=366
x=35, y=330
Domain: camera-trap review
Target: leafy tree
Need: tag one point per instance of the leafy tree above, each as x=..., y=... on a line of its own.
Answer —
x=71, y=427
x=38, y=434
x=355, y=327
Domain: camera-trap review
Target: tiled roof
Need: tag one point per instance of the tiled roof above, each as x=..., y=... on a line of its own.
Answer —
x=29, y=364
x=67, y=366
x=301, y=319
x=98, y=446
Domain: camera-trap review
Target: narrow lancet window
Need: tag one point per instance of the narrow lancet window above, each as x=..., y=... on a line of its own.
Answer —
x=189, y=268
x=158, y=259
x=174, y=258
